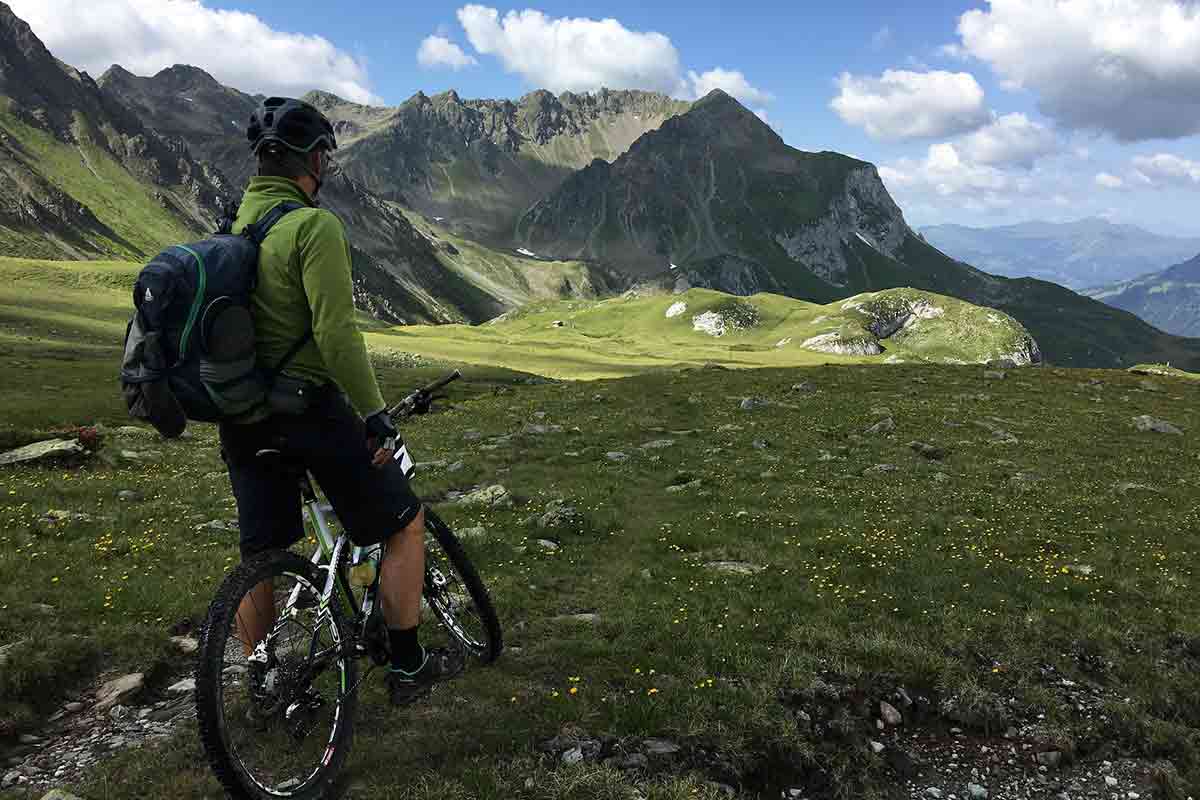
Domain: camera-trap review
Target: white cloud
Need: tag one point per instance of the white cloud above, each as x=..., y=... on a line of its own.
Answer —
x=239, y=49
x=1107, y=180
x=731, y=82
x=1010, y=139
x=944, y=172
x=438, y=51
x=909, y=105
x=1128, y=67
x=1165, y=168
x=578, y=54
x=572, y=54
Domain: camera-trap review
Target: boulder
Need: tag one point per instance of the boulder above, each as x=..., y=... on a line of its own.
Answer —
x=186, y=644
x=932, y=452
x=495, y=496
x=119, y=689
x=1148, y=424
x=885, y=425
x=49, y=450
x=185, y=686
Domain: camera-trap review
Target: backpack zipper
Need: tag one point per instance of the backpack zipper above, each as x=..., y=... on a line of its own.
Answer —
x=197, y=301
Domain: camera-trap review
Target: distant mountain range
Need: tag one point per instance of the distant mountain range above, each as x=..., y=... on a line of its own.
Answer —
x=458, y=209
x=1169, y=300
x=1078, y=255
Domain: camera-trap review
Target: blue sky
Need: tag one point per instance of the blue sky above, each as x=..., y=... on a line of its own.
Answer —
x=980, y=113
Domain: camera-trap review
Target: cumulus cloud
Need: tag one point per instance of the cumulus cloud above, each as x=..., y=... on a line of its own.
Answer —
x=901, y=104
x=1166, y=168
x=1107, y=180
x=572, y=54
x=731, y=82
x=1010, y=139
x=1127, y=67
x=438, y=51
x=944, y=172
x=237, y=48
x=578, y=54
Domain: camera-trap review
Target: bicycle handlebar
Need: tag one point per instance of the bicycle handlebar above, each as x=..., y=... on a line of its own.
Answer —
x=409, y=405
x=441, y=382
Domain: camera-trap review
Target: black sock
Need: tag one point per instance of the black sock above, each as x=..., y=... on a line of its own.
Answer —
x=407, y=653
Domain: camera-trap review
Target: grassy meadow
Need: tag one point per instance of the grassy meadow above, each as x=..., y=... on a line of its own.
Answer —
x=1029, y=574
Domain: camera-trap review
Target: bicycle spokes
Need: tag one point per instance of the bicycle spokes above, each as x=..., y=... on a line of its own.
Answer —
x=281, y=702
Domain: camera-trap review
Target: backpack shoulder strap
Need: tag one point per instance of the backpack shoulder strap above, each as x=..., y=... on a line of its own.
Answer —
x=259, y=230
x=289, y=355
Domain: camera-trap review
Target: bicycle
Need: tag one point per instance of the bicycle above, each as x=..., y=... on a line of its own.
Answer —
x=261, y=705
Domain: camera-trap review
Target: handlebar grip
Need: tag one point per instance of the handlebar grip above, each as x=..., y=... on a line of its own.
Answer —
x=438, y=384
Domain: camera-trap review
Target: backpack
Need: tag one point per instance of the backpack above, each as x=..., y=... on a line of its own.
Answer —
x=190, y=346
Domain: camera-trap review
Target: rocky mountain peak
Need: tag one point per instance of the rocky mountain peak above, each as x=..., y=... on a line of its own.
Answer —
x=324, y=100
x=718, y=117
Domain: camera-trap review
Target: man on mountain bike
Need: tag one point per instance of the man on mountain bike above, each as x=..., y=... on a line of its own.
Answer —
x=304, y=294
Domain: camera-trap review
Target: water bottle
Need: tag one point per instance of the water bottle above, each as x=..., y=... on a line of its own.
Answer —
x=364, y=566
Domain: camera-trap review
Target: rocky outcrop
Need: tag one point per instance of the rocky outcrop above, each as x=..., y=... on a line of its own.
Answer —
x=478, y=163
x=863, y=211
x=837, y=344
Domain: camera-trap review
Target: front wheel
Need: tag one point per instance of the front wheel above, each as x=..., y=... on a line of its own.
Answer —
x=276, y=681
x=456, y=596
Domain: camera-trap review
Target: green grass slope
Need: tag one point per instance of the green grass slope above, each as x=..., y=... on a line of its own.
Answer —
x=636, y=333
x=1040, y=583
x=122, y=220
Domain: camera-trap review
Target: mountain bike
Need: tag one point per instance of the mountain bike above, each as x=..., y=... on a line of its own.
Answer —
x=277, y=716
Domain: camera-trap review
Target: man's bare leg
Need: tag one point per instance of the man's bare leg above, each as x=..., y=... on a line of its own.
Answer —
x=256, y=615
x=402, y=575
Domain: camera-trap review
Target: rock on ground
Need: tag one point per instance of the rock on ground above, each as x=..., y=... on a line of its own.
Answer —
x=1148, y=424
x=734, y=567
x=495, y=496
x=119, y=689
x=885, y=425
x=49, y=450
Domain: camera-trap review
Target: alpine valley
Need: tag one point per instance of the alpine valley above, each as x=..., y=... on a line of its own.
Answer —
x=462, y=210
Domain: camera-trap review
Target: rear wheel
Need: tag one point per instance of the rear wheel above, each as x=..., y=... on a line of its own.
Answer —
x=276, y=716
x=455, y=595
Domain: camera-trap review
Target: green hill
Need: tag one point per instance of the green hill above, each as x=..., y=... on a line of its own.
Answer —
x=642, y=332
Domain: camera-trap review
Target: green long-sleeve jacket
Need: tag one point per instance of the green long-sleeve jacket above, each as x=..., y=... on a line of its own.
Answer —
x=304, y=284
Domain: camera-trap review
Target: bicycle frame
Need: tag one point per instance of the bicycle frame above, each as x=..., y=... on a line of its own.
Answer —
x=329, y=549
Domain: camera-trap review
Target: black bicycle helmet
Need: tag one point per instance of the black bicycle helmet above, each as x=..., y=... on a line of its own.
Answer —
x=295, y=124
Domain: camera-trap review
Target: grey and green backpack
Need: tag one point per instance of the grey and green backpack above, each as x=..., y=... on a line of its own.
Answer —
x=190, y=346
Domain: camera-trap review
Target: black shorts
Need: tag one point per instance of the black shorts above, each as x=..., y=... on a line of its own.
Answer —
x=330, y=440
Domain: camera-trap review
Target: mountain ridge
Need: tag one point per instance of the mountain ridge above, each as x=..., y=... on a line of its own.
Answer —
x=477, y=164
x=715, y=198
x=1169, y=299
x=83, y=175
x=1081, y=254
